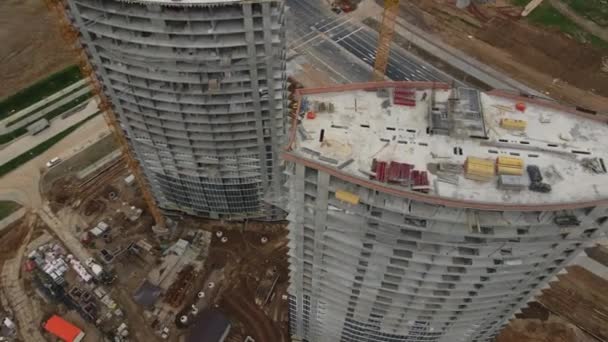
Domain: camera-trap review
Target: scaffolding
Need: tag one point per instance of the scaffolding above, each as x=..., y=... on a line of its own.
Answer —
x=71, y=36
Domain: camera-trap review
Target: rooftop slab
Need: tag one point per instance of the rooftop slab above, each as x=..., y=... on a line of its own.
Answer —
x=359, y=126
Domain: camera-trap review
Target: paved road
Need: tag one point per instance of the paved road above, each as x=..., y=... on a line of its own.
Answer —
x=28, y=142
x=22, y=185
x=312, y=23
x=63, y=92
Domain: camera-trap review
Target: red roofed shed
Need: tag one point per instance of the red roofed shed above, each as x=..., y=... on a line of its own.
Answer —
x=63, y=329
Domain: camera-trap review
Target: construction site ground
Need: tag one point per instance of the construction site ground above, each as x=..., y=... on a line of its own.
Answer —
x=31, y=46
x=247, y=265
x=17, y=296
x=245, y=262
x=559, y=65
x=575, y=308
x=104, y=196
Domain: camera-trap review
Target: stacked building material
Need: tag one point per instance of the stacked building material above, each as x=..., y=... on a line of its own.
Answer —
x=479, y=169
x=346, y=196
x=399, y=172
x=379, y=167
x=515, y=183
x=404, y=97
x=420, y=181
x=509, y=166
x=513, y=124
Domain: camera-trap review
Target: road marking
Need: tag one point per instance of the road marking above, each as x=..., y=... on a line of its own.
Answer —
x=328, y=66
x=321, y=33
x=350, y=34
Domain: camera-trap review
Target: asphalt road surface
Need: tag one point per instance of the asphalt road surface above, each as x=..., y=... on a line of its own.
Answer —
x=310, y=22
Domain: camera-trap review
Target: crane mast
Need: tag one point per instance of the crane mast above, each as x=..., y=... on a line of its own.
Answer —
x=387, y=30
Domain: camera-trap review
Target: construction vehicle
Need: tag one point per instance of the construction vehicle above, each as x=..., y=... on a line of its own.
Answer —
x=387, y=30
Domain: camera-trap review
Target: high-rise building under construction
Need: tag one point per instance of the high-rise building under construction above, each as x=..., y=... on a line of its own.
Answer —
x=424, y=213
x=198, y=87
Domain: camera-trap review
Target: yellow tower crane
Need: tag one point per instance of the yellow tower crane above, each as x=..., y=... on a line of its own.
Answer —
x=391, y=9
x=70, y=34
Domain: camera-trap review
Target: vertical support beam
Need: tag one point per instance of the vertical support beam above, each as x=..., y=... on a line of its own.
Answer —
x=320, y=221
x=255, y=86
x=270, y=66
x=297, y=198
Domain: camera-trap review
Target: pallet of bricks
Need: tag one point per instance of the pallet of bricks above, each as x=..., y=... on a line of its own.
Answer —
x=479, y=169
x=510, y=171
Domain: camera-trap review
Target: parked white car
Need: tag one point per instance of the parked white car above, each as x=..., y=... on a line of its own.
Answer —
x=53, y=162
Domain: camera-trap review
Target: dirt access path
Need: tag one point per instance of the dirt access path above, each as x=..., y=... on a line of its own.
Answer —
x=31, y=46
x=544, y=59
x=26, y=311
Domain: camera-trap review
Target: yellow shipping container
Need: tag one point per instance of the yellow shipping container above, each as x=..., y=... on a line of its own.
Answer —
x=513, y=124
x=346, y=196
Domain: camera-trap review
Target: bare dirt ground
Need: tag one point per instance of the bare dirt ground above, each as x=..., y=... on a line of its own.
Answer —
x=547, y=60
x=13, y=236
x=554, y=329
x=249, y=265
x=574, y=309
x=580, y=297
x=31, y=45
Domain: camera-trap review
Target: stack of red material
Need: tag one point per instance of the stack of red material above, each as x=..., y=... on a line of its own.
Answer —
x=404, y=97
x=420, y=181
x=399, y=172
x=380, y=169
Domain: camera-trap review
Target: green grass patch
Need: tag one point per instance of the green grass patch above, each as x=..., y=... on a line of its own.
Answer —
x=7, y=208
x=546, y=15
x=39, y=91
x=521, y=3
x=8, y=137
x=594, y=10
x=40, y=148
x=13, y=122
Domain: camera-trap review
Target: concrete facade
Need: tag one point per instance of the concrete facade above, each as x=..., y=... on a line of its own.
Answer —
x=199, y=89
x=390, y=264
